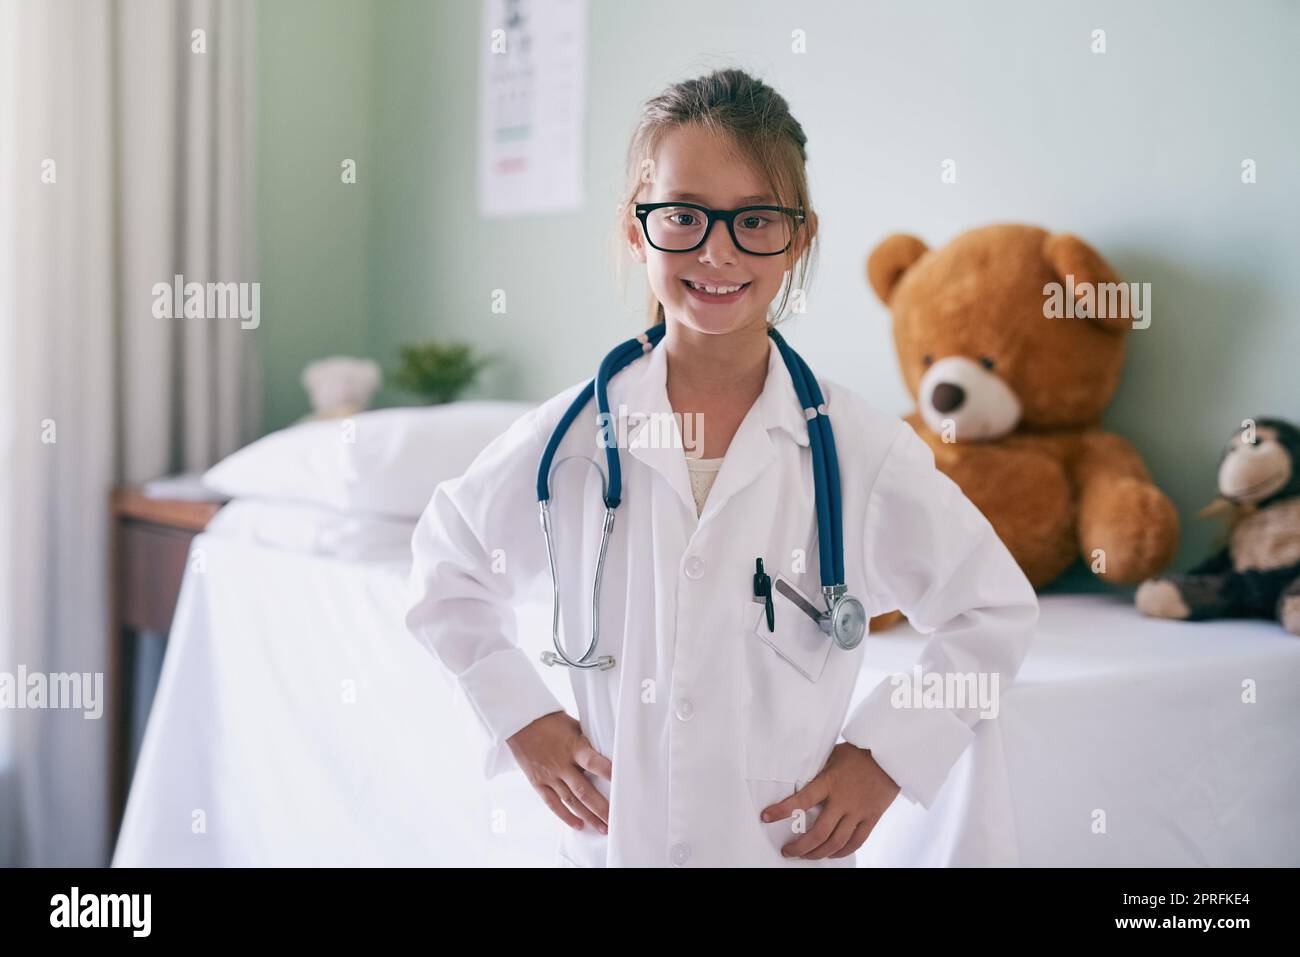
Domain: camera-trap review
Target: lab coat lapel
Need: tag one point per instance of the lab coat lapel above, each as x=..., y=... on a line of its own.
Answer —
x=653, y=433
x=753, y=447
x=750, y=452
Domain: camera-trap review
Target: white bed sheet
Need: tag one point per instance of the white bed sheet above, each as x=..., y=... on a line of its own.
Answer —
x=298, y=723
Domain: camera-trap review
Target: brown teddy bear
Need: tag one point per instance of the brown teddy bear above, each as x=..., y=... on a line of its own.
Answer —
x=1011, y=341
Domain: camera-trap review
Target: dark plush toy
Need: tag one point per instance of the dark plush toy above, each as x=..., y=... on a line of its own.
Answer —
x=1257, y=574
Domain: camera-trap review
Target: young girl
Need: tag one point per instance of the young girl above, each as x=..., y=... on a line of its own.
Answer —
x=715, y=740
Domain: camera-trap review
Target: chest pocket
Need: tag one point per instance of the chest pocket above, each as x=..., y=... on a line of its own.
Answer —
x=793, y=700
x=795, y=636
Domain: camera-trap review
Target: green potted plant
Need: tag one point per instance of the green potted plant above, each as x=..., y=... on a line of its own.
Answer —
x=436, y=372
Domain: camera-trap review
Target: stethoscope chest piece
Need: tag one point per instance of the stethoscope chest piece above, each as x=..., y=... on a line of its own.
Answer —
x=848, y=622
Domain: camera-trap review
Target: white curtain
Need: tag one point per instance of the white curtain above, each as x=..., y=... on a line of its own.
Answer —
x=126, y=157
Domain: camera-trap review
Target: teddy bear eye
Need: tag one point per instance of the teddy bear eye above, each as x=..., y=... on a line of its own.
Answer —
x=986, y=362
x=927, y=359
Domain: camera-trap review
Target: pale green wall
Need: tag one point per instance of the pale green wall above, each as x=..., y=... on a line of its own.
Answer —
x=1137, y=150
x=316, y=87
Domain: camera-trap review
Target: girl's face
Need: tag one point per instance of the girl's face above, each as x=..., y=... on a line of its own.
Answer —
x=694, y=166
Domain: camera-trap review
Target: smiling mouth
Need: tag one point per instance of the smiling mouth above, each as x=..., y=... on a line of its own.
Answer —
x=722, y=291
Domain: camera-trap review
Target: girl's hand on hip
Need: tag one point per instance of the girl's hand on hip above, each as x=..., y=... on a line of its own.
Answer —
x=555, y=755
x=855, y=791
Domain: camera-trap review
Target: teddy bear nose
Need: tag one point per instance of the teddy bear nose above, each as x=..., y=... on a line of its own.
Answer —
x=947, y=397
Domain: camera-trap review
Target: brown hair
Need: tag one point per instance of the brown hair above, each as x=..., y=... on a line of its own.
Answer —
x=754, y=122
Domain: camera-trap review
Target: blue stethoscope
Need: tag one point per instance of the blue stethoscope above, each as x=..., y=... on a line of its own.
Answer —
x=845, y=619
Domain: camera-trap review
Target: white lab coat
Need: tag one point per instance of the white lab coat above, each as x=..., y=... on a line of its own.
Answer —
x=704, y=722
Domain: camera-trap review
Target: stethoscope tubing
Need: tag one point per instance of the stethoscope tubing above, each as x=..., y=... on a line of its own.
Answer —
x=825, y=461
x=619, y=357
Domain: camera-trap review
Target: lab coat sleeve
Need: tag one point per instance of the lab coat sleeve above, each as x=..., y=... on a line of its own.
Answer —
x=476, y=549
x=931, y=553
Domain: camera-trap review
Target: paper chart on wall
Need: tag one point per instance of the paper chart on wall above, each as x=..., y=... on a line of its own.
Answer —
x=532, y=110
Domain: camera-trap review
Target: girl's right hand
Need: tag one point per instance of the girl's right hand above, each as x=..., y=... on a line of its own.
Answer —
x=554, y=755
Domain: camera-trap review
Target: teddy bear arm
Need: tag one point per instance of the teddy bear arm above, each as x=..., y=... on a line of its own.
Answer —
x=1128, y=528
x=1104, y=457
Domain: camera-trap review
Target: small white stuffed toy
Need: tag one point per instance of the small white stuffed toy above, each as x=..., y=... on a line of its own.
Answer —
x=340, y=385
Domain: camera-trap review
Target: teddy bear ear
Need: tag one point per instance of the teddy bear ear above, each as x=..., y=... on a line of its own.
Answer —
x=1068, y=255
x=888, y=261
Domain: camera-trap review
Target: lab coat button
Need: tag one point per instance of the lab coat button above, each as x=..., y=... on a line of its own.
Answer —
x=685, y=710
x=680, y=854
x=695, y=568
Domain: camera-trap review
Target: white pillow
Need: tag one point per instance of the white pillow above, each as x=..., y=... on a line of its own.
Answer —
x=314, y=530
x=384, y=462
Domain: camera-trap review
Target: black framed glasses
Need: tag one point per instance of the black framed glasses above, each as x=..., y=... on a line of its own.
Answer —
x=683, y=227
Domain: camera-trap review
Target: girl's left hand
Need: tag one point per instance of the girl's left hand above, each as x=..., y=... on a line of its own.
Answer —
x=856, y=792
